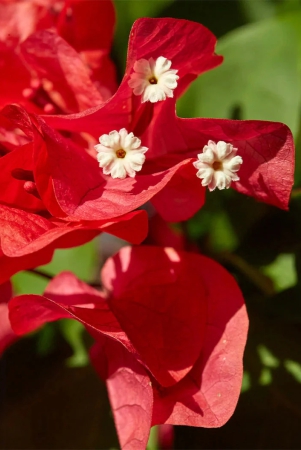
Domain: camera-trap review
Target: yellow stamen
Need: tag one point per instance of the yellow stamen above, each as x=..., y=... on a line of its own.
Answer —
x=120, y=153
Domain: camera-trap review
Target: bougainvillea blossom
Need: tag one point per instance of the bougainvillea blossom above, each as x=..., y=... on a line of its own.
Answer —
x=218, y=165
x=153, y=80
x=266, y=149
x=171, y=39
x=32, y=223
x=170, y=337
x=125, y=110
x=65, y=79
x=120, y=154
x=38, y=72
x=52, y=167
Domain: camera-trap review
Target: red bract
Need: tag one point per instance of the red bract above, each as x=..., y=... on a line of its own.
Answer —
x=88, y=26
x=67, y=181
x=32, y=223
x=29, y=240
x=190, y=47
x=46, y=82
x=18, y=19
x=164, y=234
x=170, y=329
x=7, y=335
x=266, y=148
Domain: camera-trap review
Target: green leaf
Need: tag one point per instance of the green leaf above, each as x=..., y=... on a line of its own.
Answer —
x=257, y=10
x=266, y=377
x=73, y=333
x=246, y=382
x=28, y=283
x=282, y=271
x=293, y=21
x=222, y=233
x=137, y=8
x=294, y=369
x=46, y=339
x=79, y=260
x=258, y=79
x=288, y=6
x=266, y=357
x=82, y=261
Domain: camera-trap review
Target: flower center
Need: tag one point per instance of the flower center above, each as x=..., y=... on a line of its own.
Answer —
x=120, y=153
x=153, y=80
x=217, y=165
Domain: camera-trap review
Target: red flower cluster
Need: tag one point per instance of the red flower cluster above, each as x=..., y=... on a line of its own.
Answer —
x=78, y=157
x=170, y=330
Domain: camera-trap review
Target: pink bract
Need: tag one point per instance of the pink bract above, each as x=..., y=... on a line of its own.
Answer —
x=170, y=329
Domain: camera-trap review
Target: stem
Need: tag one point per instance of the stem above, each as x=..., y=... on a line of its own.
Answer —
x=153, y=439
x=40, y=273
x=257, y=278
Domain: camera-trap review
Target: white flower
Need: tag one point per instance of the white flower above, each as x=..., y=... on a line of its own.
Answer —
x=120, y=154
x=218, y=165
x=154, y=80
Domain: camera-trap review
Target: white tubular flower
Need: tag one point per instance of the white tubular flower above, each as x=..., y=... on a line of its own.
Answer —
x=120, y=154
x=218, y=165
x=154, y=80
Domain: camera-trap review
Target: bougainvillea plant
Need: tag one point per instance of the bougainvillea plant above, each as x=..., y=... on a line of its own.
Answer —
x=79, y=156
x=170, y=329
x=180, y=149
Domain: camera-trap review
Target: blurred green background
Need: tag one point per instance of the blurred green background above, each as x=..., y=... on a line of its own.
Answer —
x=51, y=397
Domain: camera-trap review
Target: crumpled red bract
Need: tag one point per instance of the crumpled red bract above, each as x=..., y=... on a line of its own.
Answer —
x=40, y=72
x=170, y=329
